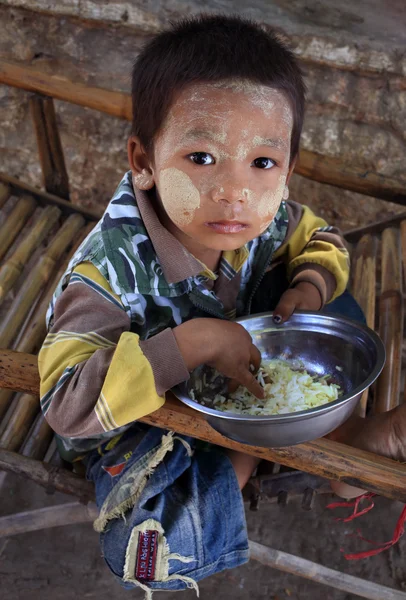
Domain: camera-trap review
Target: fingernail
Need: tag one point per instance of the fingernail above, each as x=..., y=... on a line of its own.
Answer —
x=277, y=319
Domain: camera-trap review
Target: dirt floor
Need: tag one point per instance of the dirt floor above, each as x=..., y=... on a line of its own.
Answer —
x=64, y=563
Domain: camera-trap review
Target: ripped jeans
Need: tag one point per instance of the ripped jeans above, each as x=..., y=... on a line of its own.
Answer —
x=171, y=511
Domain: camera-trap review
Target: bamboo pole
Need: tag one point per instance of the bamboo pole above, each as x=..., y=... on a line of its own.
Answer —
x=20, y=421
x=34, y=332
x=69, y=513
x=37, y=279
x=5, y=193
x=52, y=448
x=38, y=439
x=312, y=165
x=390, y=321
x=19, y=188
x=363, y=286
x=15, y=222
x=7, y=416
x=5, y=401
x=323, y=457
x=12, y=269
x=49, y=146
x=288, y=563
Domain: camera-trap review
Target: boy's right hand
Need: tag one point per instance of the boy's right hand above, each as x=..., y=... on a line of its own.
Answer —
x=223, y=345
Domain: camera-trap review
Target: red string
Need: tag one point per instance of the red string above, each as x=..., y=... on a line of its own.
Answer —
x=397, y=534
x=355, y=503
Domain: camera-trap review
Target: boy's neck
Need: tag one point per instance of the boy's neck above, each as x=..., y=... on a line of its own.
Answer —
x=210, y=258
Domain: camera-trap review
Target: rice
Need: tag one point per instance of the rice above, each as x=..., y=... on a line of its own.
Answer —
x=287, y=390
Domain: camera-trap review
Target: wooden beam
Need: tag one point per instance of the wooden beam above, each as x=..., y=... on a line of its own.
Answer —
x=323, y=457
x=19, y=372
x=19, y=188
x=314, y=166
x=61, y=88
x=69, y=513
x=332, y=171
x=49, y=146
x=288, y=563
x=353, y=235
x=49, y=477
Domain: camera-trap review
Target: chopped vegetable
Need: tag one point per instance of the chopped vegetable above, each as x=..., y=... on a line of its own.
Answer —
x=287, y=390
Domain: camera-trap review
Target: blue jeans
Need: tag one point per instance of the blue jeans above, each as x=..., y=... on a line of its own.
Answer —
x=171, y=511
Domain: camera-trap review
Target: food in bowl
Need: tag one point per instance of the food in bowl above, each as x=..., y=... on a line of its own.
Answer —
x=288, y=388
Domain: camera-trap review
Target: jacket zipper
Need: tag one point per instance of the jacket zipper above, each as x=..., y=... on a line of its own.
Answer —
x=205, y=309
x=247, y=309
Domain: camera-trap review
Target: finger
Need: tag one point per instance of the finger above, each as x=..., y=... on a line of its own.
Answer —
x=284, y=308
x=248, y=380
x=255, y=357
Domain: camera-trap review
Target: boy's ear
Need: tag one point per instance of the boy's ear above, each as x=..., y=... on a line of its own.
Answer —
x=140, y=164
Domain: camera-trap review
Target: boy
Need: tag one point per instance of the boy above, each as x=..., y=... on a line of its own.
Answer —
x=199, y=232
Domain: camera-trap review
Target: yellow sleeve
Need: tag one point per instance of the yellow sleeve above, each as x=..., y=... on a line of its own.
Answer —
x=94, y=375
x=311, y=243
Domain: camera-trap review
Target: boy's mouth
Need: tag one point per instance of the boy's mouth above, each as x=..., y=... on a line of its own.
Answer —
x=227, y=226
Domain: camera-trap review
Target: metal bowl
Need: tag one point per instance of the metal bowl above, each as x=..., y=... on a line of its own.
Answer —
x=351, y=353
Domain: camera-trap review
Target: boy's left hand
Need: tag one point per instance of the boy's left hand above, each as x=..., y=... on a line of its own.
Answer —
x=304, y=296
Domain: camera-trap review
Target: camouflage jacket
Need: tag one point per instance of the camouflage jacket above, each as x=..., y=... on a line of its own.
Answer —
x=110, y=354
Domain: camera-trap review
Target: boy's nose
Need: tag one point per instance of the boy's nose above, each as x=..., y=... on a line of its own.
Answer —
x=228, y=193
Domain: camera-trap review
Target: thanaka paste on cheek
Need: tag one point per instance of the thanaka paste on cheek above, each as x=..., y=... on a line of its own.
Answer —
x=269, y=203
x=179, y=196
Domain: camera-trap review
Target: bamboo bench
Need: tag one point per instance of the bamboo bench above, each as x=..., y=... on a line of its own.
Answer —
x=41, y=230
x=24, y=434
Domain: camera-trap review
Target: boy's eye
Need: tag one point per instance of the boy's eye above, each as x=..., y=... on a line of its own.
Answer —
x=263, y=163
x=201, y=158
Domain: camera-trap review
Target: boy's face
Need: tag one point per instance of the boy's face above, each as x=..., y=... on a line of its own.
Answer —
x=221, y=162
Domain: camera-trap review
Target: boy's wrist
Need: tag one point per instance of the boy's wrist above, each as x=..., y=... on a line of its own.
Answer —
x=166, y=360
x=191, y=337
x=319, y=276
x=312, y=294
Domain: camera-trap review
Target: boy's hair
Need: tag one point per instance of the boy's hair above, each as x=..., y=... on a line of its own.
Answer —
x=211, y=48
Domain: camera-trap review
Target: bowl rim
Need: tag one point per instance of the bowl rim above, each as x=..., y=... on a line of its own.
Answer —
x=311, y=412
